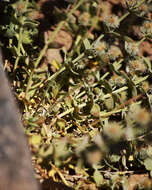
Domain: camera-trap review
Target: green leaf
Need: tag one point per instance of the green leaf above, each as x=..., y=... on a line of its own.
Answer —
x=109, y=102
x=26, y=37
x=148, y=63
x=35, y=139
x=98, y=178
x=117, y=65
x=148, y=164
x=30, y=24
x=68, y=101
x=114, y=158
x=107, y=86
x=87, y=44
x=124, y=162
x=61, y=123
x=55, y=91
x=95, y=111
x=46, y=151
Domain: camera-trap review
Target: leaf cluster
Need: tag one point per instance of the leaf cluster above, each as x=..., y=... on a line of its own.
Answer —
x=89, y=119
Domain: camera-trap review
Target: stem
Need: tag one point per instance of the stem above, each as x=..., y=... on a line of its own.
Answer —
x=124, y=88
x=29, y=85
x=81, y=94
x=112, y=167
x=20, y=38
x=60, y=174
x=115, y=33
x=143, y=39
x=78, y=58
x=105, y=75
x=95, y=20
x=66, y=112
x=56, y=74
x=42, y=53
x=124, y=16
x=71, y=110
x=107, y=114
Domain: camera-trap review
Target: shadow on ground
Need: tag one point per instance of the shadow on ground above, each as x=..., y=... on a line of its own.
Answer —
x=51, y=185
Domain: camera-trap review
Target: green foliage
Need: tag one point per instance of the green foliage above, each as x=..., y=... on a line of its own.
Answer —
x=91, y=116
